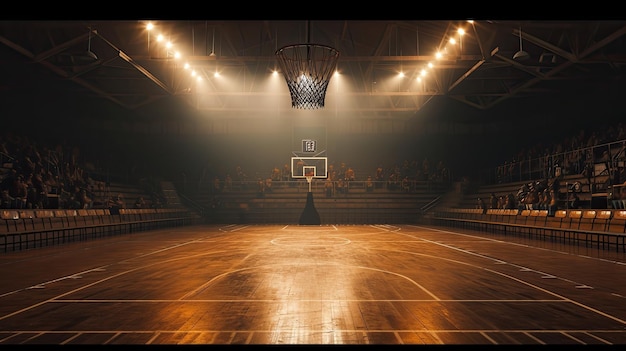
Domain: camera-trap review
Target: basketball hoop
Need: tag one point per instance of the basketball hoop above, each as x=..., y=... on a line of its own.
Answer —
x=307, y=69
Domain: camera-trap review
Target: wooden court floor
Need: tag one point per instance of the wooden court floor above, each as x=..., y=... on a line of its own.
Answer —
x=328, y=284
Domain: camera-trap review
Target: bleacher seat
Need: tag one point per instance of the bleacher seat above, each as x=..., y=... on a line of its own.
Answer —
x=587, y=220
x=601, y=223
x=618, y=222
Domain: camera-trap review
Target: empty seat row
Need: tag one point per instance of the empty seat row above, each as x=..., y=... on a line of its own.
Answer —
x=15, y=221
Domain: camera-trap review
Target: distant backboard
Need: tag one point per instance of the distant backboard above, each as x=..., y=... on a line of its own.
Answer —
x=313, y=166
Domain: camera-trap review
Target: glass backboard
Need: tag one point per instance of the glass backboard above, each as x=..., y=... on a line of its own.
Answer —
x=313, y=166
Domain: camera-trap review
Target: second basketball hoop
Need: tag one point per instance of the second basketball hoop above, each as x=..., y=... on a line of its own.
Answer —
x=307, y=69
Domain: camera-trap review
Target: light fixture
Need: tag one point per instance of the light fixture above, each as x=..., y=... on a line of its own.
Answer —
x=307, y=68
x=149, y=28
x=521, y=55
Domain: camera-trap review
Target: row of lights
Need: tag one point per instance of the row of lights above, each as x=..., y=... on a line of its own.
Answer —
x=452, y=41
x=171, y=52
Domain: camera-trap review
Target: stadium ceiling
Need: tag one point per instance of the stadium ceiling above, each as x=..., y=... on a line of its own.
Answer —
x=123, y=62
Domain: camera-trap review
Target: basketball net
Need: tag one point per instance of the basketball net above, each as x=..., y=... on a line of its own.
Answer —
x=307, y=69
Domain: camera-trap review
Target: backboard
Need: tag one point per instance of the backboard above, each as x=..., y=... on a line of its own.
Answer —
x=312, y=166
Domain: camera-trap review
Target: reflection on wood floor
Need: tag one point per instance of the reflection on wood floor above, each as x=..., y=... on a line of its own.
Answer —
x=271, y=284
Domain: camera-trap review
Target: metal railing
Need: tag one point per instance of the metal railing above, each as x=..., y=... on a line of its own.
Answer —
x=598, y=163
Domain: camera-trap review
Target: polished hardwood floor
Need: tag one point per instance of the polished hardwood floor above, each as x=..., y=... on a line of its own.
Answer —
x=326, y=284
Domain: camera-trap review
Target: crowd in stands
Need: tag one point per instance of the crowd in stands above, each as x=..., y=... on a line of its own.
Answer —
x=35, y=175
x=339, y=177
x=538, y=195
x=575, y=155
x=572, y=155
x=38, y=176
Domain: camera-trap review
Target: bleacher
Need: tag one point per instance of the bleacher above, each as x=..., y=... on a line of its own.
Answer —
x=285, y=203
x=597, y=221
x=603, y=229
x=584, y=191
x=29, y=229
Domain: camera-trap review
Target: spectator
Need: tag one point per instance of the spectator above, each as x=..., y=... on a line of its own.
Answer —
x=286, y=173
x=276, y=176
x=493, y=201
x=217, y=188
x=117, y=202
x=41, y=190
x=9, y=179
x=341, y=189
x=369, y=184
x=19, y=192
x=545, y=199
x=380, y=177
x=73, y=201
x=482, y=204
x=532, y=199
x=31, y=192
x=260, y=188
x=7, y=201
x=510, y=203
x=241, y=177
x=140, y=202
x=393, y=182
x=156, y=202
x=328, y=187
x=268, y=185
x=616, y=197
x=85, y=201
x=553, y=205
x=350, y=176
x=574, y=201
x=228, y=183
x=501, y=202
x=342, y=170
x=406, y=184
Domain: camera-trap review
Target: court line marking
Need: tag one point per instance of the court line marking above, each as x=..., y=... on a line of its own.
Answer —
x=236, y=228
x=596, y=337
x=71, y=338
x=299, y=300
x=521, y=268
x=317, y=264
x=573, y=338
x=41, y=303
x=527, y=283
x=65, y=294
x=623, y=263
x=486, y=336
x=531, y=333
x=42, y=285
x=300, y=241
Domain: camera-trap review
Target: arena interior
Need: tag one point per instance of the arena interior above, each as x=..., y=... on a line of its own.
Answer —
x=313, y=182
